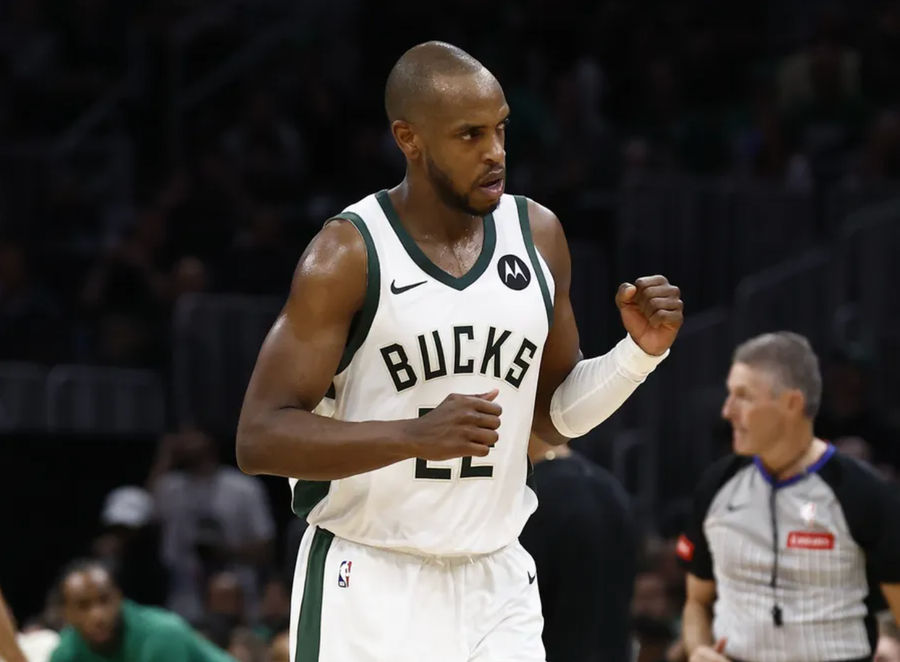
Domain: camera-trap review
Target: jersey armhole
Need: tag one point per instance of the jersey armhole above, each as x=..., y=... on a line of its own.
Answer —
x=525, y=225
x=362, y=320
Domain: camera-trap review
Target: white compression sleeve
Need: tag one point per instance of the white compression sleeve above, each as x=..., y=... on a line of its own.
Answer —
x=597, y=387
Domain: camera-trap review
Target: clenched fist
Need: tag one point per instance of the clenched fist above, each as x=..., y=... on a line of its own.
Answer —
x=652, y=312
x=460, y=426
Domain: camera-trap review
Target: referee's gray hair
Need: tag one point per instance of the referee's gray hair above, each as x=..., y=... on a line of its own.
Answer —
x=790, y=359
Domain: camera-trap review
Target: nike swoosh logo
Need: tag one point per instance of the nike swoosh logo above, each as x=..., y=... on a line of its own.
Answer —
x=531, y=578
x=732, y=507
x=401, y=290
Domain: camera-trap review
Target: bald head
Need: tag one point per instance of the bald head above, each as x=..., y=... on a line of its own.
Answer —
x=425, y=74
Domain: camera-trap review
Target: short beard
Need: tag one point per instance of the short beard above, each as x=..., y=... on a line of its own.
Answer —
x=444, y=187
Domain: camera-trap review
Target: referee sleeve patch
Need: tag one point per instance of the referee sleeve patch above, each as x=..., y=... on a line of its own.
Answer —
x=685, y=548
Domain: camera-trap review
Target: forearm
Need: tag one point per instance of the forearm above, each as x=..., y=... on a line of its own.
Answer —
x=596, y=388
x=9, y=649
x=696, y=626
x=295, y=443
x=892, y=596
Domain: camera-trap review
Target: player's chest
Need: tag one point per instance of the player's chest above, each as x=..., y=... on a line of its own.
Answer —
x=425, y=329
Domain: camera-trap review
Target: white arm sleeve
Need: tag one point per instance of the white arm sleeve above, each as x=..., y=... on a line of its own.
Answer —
x=597, y=387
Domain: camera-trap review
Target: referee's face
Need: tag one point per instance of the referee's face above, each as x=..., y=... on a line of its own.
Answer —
x=758, y=416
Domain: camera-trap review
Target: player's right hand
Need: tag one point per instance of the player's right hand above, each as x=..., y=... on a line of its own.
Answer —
x=460, y=426
x=710, y=653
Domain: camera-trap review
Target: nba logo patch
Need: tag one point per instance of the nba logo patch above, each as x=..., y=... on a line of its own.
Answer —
x=344, y=574
x=808, y=513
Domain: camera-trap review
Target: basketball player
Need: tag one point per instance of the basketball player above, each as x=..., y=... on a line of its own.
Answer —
x=436, y=316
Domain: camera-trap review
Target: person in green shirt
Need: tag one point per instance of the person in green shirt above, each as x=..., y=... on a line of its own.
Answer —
x=104, y=627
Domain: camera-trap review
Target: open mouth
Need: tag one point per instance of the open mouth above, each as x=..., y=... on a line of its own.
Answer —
x=493, y=185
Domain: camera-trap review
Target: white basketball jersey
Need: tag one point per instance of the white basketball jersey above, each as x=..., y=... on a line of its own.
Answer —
x=423, y=334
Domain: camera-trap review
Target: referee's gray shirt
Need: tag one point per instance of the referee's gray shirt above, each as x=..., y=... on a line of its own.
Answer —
x=812, y=597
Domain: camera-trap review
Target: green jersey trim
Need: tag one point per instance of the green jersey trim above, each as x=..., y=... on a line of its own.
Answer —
x=309, y=627
x=425, y=263
x=307, y=495
x=362, y=321
x=525, y=224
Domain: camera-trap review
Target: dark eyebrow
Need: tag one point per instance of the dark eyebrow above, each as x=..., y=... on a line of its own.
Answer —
x=465, y=128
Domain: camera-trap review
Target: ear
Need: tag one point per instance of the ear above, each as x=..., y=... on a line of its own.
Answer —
x=794, y=401
x=406, y=138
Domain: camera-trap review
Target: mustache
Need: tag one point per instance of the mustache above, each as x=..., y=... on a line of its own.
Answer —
x=496, y=173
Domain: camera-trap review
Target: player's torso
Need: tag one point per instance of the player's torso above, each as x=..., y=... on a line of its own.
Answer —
x=431, y=335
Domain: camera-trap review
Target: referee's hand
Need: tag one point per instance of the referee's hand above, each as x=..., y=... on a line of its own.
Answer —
x=710, y=653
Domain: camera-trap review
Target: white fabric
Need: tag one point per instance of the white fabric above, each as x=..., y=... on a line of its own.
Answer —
x=395, y=507
x=129, y=506
x=597, y=387
x=38, y=645
x=407, y=608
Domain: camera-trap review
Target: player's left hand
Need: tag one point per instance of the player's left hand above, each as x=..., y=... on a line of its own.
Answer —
x=652, y=312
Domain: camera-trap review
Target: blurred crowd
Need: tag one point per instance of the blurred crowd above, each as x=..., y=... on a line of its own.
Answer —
x=197, y=146
x=176, y=186
x=198, y=537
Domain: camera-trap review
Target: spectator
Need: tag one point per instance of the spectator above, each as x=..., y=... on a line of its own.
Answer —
x=129, y=544
x=584, y=545
x=274, y=609
x=653, y=617
x=266, y=148
x=224, y=608
x=213, y=518
x=103, y=626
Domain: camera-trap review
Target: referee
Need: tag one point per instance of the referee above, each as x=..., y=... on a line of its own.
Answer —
x=789, y=540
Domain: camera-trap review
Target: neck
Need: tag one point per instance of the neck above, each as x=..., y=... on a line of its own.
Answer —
x=793, y=455
x=425, y=215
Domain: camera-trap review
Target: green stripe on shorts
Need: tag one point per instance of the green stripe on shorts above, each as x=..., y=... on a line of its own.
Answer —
x=309, y=629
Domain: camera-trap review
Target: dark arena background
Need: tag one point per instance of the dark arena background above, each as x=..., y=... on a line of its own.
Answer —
x=164, y=162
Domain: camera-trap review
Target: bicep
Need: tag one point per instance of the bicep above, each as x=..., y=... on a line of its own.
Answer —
x=302, y=351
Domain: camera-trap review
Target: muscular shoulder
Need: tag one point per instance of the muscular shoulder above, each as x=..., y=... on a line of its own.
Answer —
x=549, y=238
x=332, y=269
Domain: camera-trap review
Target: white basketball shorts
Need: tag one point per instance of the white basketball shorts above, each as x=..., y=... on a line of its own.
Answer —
x=355, y=603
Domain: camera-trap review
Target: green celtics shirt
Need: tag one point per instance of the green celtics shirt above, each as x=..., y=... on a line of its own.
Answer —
x=148, y=635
